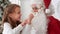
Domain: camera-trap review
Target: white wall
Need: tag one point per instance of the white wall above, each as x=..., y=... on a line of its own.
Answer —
x=15, y=2
x=57, y=8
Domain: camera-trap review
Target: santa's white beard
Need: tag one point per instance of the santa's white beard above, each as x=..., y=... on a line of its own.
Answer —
x=40, y=22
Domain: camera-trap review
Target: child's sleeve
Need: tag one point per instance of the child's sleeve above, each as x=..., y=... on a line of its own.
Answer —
x=8, y=29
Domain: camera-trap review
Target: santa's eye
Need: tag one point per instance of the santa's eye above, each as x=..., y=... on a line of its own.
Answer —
x=35, y=8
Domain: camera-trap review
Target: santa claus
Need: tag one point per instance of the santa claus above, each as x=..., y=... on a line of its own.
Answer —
x=43, y=21
x=39, y=22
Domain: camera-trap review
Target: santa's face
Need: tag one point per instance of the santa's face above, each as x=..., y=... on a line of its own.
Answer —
x=34, y=7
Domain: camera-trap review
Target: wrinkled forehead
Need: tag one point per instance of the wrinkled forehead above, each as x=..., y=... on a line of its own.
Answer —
x=34, y=5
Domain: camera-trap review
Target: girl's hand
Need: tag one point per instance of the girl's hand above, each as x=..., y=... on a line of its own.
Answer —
x=24, y=23
x=31, y=16
x=27, y=21
x=30, y=19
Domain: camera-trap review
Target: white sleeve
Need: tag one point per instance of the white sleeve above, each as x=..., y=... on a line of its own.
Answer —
x=18, y=28
x=9, y=30
x=27, y=29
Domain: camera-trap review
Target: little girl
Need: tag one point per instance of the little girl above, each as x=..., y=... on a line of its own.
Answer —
x=11, y=20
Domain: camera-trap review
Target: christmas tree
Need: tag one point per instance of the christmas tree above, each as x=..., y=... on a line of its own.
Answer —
x=3, y=4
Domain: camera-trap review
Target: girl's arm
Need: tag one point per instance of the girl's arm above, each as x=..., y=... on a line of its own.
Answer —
x=9, y=30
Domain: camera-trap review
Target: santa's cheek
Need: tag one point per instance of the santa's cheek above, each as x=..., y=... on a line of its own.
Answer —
x=35, y=10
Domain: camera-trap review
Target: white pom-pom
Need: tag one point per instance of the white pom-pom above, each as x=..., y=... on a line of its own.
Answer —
x=47, y=11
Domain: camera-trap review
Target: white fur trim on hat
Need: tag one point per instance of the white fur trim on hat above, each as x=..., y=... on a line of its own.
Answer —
x=47, y=11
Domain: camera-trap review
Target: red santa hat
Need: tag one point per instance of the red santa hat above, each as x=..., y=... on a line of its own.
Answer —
x=49, y=7
x=47, y=3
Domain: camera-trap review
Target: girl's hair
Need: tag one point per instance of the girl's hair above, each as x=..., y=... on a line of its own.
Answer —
x=9, y=9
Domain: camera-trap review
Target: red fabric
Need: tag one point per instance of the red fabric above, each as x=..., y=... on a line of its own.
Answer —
x=53, y=26
x=47, y=3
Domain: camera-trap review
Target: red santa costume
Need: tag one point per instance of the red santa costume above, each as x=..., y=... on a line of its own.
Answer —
x=54, y=24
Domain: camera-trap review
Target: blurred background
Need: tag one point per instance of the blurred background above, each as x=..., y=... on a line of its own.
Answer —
x=4, y=3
